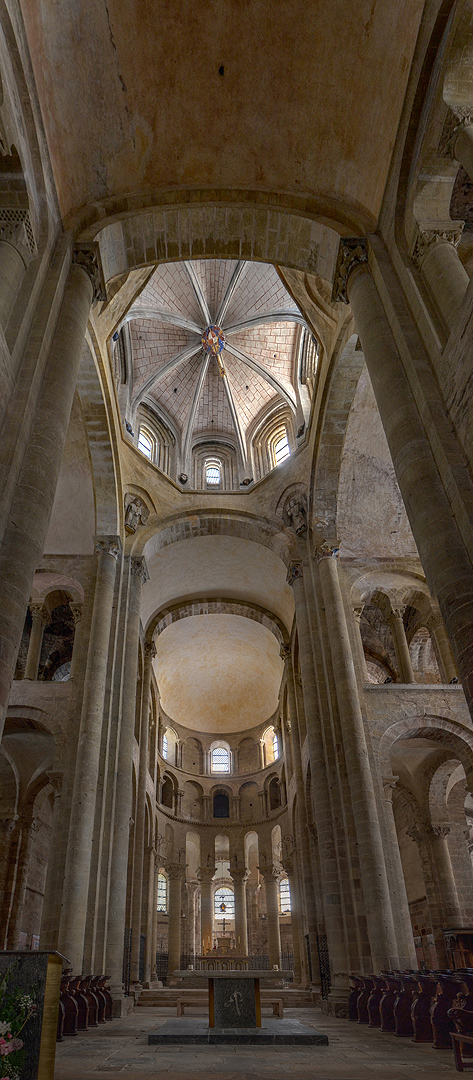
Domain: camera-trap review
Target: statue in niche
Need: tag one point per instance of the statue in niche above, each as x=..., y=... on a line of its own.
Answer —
x=136, y=513
x=297, y=515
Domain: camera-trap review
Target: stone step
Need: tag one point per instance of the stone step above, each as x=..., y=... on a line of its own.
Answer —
x=167, y=997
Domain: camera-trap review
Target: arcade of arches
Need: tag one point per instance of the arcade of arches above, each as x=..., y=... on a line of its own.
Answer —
x=236, y=617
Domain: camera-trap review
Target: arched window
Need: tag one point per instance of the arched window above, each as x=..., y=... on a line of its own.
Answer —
x=167, y=793
x=224, y=904
x=284, y=896
x=213, y=472
x=281, y=449
x=146, y=443
x=162, y=893
x=165, y=745
x=221, y=805
x=270, y=743
x=274, y=794
x=220, y=759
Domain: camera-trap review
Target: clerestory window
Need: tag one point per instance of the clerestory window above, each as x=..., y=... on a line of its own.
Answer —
x=162, y=893
x=220, y=760
x=224, y=904
x=146, y=443
x=281, y=449
x=284, y=897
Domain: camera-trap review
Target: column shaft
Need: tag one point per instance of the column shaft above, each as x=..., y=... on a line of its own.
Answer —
x=447, y=666
x=38, y=616
x=123, y=803
x=445, y=560
x=28, y=521
x=330, y=881
x=149, y=654
x=86, y=775
x=380, y=923
x=445, y=880
x=12, y=272
x=401, y=647
x=205, y=875
x=295, y=917
x=240, y=878
x=446, y=278
x=271, y=877
x=175, y=875
x=150, y=916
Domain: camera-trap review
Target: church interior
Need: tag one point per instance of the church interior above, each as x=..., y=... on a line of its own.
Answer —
x=236, y=617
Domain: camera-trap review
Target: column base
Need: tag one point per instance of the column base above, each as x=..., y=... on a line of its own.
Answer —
x=336, y=1004
x=121, y=1005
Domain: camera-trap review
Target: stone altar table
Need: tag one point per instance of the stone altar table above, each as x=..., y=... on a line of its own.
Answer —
x=235, y=1014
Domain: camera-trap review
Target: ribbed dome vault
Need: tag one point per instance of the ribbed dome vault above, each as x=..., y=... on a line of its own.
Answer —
x=214, y=346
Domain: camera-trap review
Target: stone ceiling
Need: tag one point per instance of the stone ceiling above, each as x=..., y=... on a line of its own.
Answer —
x=215, y=385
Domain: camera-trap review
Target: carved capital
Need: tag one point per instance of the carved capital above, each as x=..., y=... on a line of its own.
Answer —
x=205, y=874
x=294, y=571
x=427, y=238
x=107, y=545
x=417, y=833
x=389, y=783
x=330, y=549
x=352, y=252
x=440, y=830
x=38, y=611
x=76, y=612
x=175, y=870
x=396, y=614
x=55, y=779
x=239, y=875
x=285, y=651
x=139, y=568
x=150, y=650
x=455, y=120
x=358, y=611
x=87, y=256
x=270, y=872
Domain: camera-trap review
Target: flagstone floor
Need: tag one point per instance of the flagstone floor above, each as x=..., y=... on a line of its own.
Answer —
x=120, y=1049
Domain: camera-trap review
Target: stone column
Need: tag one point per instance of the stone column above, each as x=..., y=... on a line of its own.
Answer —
x=149, y=654
x=123, y=806
x=419, y=833
x=290, y=869
x=86, y=776
x=271, y=875
x=28, y=520
x=29, y=828
x=445, y=881
x=76, y=645
x=52, y=889
x=379, y=916
x=400, y=906
x=192, y=890
x=446, y=663
x=240, y=878
x=437, y=258
x=205, y=875
x=151, y=917
x=39, y=617
x=329, y=869
x=253, y=921
x=445, y=560
x=175, y=872
x=401, y=647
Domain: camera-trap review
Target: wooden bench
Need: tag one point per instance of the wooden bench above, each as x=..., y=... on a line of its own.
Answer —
x=278, y=1008
x=184, y=1002
x=458, y=1038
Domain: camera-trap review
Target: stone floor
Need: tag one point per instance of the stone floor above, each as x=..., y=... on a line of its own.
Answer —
x=354, y=1053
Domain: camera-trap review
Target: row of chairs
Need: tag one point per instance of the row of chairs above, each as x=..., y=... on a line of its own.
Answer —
x=85, y=1001
x=424, y=1006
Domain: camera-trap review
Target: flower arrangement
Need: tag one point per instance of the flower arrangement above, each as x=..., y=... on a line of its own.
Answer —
x=16, y=1008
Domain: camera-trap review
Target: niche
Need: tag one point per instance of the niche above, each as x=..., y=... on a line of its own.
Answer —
x=221, y=805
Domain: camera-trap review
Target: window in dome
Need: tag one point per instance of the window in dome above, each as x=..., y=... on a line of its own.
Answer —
x=162, y=893
x=165, y=745
x=145, y=443
x=281, y=449
x=284, y=897
x=213, y=473
x=224, y=904
x=220, y=759
x=275, y=746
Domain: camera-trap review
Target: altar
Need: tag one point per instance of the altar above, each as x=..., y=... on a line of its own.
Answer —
x=234, y=995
